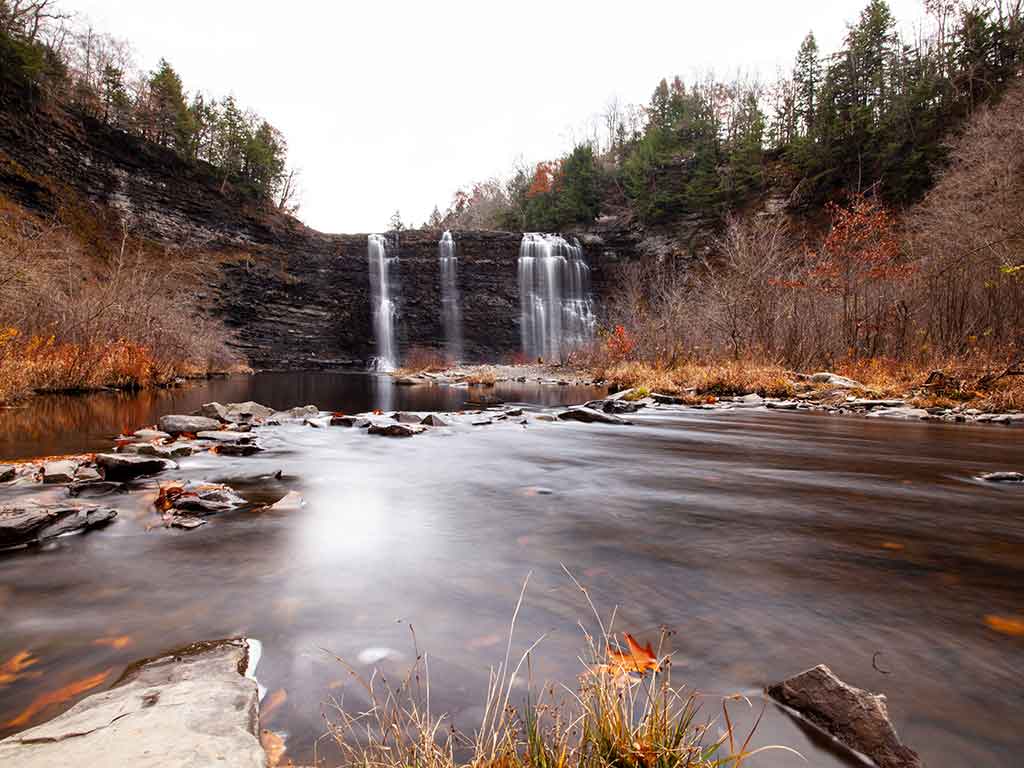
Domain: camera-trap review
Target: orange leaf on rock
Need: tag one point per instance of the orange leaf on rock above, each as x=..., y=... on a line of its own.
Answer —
x=44, y=700
x=15, y=666
x=274, y=746
x=1007, y=625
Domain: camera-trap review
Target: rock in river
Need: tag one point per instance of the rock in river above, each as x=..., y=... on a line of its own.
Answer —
x=433, y=420
x=59, y=471
x=1003, y=477
x=394, y=430
x=126, y=466
x=7, y=473
x=176, y=424
x=29, y=523
x=590, y=416
x=857, y=718
x=193, y=707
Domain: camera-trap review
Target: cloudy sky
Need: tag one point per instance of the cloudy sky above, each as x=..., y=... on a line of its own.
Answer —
x=395, y=105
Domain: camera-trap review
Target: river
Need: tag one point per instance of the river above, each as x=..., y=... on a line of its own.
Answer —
x=766, y=542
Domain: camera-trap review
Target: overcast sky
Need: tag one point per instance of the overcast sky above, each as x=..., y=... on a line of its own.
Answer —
x=395, y=105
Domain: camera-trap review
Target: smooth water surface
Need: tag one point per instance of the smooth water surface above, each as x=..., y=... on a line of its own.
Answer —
x=766, y=542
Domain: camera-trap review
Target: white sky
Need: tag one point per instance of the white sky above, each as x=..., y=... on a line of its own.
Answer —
x=389, y=104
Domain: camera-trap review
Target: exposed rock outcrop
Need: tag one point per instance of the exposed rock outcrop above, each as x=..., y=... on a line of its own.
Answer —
x=29, y=523
x=193, y=707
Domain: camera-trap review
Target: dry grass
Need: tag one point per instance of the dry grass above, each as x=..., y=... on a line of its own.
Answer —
x=83, y=306
x=882, y=377
x=420, y=359
x=623, y=720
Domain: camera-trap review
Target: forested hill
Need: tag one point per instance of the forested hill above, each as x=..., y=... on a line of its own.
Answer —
x=48, y=60
x=873, y=117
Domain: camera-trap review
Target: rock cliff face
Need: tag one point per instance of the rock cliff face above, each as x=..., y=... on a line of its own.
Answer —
x=295, y=297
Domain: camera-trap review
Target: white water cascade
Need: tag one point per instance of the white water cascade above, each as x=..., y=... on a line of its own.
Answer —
x=383, y=307
x=451, y=313
x=556, y=309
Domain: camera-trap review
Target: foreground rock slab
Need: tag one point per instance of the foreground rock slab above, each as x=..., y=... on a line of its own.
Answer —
x=122, y=466
x=191, y=708
x=857, y=718
x=32, y=523
x=176, y=424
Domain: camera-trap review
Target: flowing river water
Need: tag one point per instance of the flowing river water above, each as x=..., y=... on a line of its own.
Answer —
x=766, y=542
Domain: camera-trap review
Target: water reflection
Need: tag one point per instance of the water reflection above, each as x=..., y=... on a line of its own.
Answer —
x=766, y=542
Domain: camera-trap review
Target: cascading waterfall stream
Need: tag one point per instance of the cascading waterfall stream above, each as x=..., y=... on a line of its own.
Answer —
x=384, y=309
x=556, y=309
x=451, y=313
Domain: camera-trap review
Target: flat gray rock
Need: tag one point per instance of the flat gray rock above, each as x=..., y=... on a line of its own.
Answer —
x=150, y=434
x=176, y=424
x=590, y=416
x=899, y=413
x=857, y=718
x=226, y=436
x=1003, y=477
x=126, y=466
x=31, y=523
x=59, y=471
x=191, y=709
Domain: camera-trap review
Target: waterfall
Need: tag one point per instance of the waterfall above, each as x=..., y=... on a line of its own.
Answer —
x=383, y=307
x=556, y=310
x=451, y=314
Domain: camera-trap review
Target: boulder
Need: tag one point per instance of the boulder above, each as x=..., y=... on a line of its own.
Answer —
x=150, y=434
x=7, y=473
x=406, y=418
x=59, y=471
x=590, y=416
x=298, y=413
x=237, y=449
x=433, y=420
x=835, y=380
x=200, y=498
x=29, y=523
x=121, y=466
x=359, y=422
x=192, y=707
x=87, y=475
x=321, y=422
x=213, y=411
x=1003, y=477
x=899, y=413
x=173, y=451
x=226, y=436
x=248, y=412
x=394, y=430
x=176, y=424
x=291, y=502
x=857, y=718
x=749, y=401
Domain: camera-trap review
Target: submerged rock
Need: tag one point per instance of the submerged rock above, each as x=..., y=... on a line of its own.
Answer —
x=177, y=424
x=92, y=489
x=857, y=718
x=121, y=466
x=590, y=416
x=193, y=707
x=30, y=523
x=394, y=430
x=1003, y=477
x=200, y=498
x=57, y=472
x=291, y=502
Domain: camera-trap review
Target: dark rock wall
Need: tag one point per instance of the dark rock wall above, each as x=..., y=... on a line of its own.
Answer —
x=294, y=297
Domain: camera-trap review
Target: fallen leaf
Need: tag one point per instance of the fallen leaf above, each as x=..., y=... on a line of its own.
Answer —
x=273, y=701
x=15, y=666
x=1006, y=625
x=44, y=700
x=636, y=659
x=120, y=642
x=274, y=746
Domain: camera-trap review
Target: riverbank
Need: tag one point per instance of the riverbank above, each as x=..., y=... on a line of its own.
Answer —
x=880, y=389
